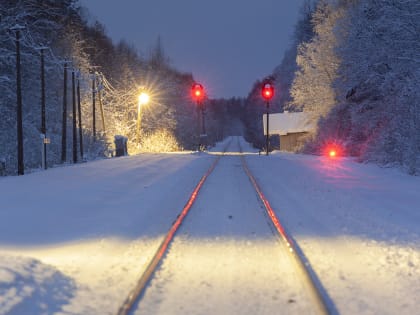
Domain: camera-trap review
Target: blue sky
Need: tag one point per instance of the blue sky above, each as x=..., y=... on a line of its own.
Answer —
x=227, y=45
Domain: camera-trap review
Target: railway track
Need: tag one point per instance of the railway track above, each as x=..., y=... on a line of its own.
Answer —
x=319, y=301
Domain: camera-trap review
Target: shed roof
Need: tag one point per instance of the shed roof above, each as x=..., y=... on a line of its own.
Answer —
x=285, y=123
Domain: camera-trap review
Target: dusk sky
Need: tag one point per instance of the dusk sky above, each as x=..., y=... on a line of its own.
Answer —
x=226, y=44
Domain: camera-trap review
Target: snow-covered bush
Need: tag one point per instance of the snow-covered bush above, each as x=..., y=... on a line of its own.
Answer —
x=159, y=141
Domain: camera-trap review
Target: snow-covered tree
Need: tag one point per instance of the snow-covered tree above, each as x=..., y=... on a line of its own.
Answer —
x=42, y=22
x=119, y=74
x=283, y=76
x=318, y=62
x=379, y=79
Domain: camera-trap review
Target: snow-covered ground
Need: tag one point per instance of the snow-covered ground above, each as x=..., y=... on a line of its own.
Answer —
x=358, y=224
x=226, y=259
x=73, y=240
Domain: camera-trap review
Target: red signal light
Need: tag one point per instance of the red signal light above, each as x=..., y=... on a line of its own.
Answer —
x=333, y=150
x=197, y=92
x=267, y=91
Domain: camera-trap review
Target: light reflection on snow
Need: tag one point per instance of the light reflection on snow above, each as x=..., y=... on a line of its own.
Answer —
x=231, y=153
x=225, y=275
x=340, y=172
x=106, y=269
x=367, y=271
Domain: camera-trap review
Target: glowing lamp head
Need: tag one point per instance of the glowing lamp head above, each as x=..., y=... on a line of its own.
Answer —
x=197, y=92
x=144, y=98
x=267, y=91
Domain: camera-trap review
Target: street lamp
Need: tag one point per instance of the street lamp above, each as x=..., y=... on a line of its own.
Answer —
x=144, y=98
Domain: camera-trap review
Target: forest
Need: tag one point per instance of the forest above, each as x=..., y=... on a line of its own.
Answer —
x=354, y=65
x=82, y=65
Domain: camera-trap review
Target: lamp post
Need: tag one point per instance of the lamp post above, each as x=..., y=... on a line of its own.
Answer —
x=93, y=105
x=79, y=110
x=144, y=98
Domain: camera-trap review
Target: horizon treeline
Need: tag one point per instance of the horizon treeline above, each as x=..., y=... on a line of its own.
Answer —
x=353, y=66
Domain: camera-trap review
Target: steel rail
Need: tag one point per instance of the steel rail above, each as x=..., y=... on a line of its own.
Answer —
x=140, y=287
x=319, y=296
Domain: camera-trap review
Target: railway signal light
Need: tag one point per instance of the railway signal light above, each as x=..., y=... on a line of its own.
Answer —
x=333, y=153
x=197, y=92
x=267, y=91
x=333, y=150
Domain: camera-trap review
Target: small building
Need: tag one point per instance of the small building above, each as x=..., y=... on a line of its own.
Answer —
x=291, y=127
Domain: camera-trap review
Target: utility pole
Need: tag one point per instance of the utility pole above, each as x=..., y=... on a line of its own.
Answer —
x=43, y=125
x=64, y=122
x=19, y=124
x=79, y=107
x=73, y=89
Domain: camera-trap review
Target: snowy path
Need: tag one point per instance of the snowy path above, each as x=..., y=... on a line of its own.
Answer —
x=225, y=257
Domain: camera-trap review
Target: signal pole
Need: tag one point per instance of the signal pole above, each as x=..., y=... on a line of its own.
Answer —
x=267, y=93
x=198, y=94
x=267, y=136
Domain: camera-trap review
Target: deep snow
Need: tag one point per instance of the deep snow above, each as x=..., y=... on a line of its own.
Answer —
x=74, y=239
